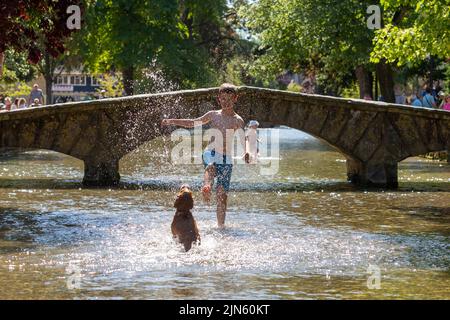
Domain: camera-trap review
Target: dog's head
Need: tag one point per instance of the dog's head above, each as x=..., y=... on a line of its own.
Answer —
x=184, y=201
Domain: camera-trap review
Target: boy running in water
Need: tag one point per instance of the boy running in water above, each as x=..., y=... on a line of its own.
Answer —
x=217, y=158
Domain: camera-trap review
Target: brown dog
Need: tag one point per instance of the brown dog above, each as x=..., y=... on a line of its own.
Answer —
x=184, y=227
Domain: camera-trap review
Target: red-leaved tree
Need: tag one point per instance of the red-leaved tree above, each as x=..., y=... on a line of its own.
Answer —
x=25, y=23
x=38, y=28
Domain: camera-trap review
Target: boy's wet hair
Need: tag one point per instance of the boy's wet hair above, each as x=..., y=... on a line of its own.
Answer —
x=228, y=88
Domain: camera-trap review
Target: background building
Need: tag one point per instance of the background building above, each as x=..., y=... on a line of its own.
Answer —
x=73, y=85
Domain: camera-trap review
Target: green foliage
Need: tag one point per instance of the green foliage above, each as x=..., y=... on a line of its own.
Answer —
x=330, y=38
x=125, y=33
x=447, y=76
x=189, y=41
x=327, y=38
x=351, y=91
x=19, y=89
x=238, y=71
x=18, y=68
x=112, y=86
x=25, y=23
x=294, y=87
x=430, y=68
x=16, y=72
x=413, y=30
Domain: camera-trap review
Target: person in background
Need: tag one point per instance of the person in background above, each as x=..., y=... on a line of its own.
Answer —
x=22, y=103
x=36, y=93
x=35, y=103
x=415, y=101
x=423, y=91
x=2, y=60
x=8, y=104
x=400, y=97
x=428, y=100
x=15, y=104
x=440, y=100
x=2, y=103
x=436, y=90
x=446, y=105
x=307, y=86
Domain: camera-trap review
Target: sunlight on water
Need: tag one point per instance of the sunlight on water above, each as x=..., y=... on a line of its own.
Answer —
x=302, y=233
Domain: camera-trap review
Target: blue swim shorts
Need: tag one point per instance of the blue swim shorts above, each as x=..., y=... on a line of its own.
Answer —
x=223, y=166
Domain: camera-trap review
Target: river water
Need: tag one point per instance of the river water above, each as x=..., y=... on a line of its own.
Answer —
x=303, y=233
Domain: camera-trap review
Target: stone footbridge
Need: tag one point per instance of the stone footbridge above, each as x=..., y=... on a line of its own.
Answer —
x=373, y=136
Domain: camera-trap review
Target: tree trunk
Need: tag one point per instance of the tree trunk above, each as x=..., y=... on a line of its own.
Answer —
x=128, y=80
x=2, y=58
x=48, y=76
x=365, y=82
x=386, y=81
x=430, y=80
x=376, y=86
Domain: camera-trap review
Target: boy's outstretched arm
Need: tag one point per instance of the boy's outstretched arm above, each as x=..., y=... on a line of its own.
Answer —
x=188, y=123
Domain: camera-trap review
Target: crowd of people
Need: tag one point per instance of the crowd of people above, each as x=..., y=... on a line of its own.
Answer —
x=428, y=97
x=35, y=99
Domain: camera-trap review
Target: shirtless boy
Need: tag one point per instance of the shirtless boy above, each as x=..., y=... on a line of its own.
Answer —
x=217, y=158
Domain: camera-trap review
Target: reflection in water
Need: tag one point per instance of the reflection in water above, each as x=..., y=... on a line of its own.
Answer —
x=303, y=233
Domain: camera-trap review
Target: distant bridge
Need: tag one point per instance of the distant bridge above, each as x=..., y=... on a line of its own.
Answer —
x=373, y=136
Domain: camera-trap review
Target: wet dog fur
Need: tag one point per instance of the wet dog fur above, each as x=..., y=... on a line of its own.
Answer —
x=184, y=227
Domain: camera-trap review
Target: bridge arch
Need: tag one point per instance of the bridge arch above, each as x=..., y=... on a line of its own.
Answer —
x=374, y=136
x=25, y=163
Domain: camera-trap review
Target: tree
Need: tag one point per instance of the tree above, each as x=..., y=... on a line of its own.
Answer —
x=127, y=34
x=17, y=68
x=25, y=22
x=38, y=28
x=188, y=40
x=20, y=89
x=17, y=71
x=49, y=65
x=2, y=59
x=110, y=86
x=413, y=31
x=210, y=42
x=329, y=39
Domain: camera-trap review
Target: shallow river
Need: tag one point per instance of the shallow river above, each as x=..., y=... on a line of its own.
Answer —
x=303, y=233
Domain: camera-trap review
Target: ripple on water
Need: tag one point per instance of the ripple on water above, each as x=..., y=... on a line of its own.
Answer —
x=293, y=243
x=255, y=242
